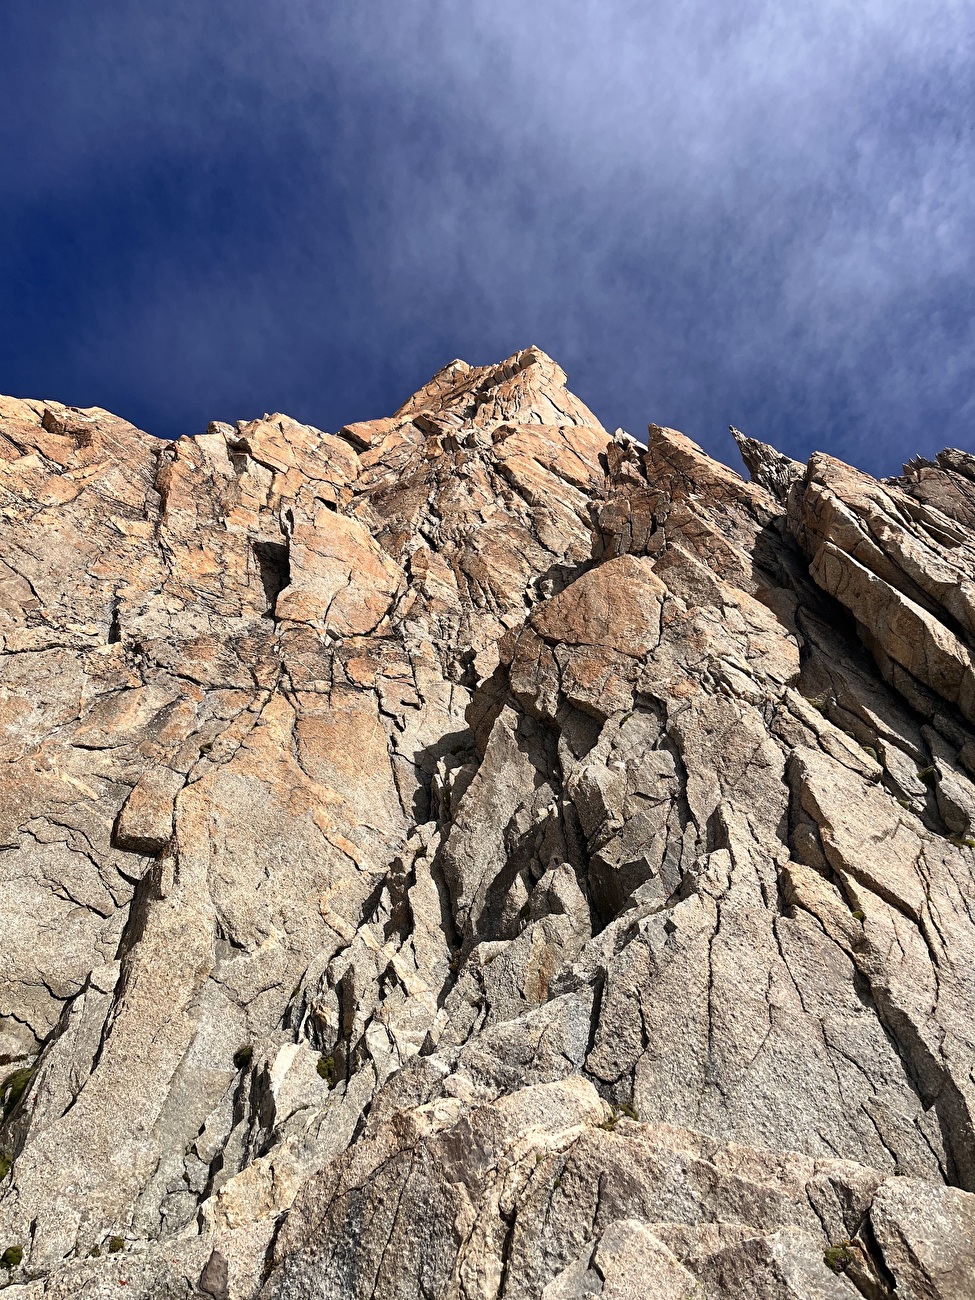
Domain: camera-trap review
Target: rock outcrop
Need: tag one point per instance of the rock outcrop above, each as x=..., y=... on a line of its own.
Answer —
x=476, y=855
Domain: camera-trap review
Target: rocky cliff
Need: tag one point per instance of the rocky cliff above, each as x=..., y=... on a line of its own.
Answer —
x=475, y=855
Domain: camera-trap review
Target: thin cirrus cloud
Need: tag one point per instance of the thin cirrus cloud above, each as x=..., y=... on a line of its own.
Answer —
x=756, y=214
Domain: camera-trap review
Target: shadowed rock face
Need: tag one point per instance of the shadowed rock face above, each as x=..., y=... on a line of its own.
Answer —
x=474, y=855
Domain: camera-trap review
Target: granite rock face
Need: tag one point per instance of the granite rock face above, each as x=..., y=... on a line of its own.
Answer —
x=475, y=855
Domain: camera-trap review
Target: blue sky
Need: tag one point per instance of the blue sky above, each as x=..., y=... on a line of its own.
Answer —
x=759, y=213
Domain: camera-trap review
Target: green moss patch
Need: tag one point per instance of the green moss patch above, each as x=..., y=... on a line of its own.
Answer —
x=838, y=1258
x=13, y=1088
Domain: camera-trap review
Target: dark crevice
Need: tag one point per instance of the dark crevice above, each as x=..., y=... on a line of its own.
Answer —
x=871, y=1247
x=114, y=627
x=274, y=562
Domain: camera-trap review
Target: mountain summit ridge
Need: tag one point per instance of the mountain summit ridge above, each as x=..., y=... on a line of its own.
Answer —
x=473, y=854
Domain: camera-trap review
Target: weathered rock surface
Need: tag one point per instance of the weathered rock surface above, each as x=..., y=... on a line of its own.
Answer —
x=476, y=855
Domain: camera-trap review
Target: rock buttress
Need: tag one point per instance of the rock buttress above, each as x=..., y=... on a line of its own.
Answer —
x=475, y=855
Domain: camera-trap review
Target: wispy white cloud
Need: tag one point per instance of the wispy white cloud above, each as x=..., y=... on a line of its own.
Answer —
x=757, y=213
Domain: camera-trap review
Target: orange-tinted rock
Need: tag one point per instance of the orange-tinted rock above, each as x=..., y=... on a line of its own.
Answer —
x=475, y=853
